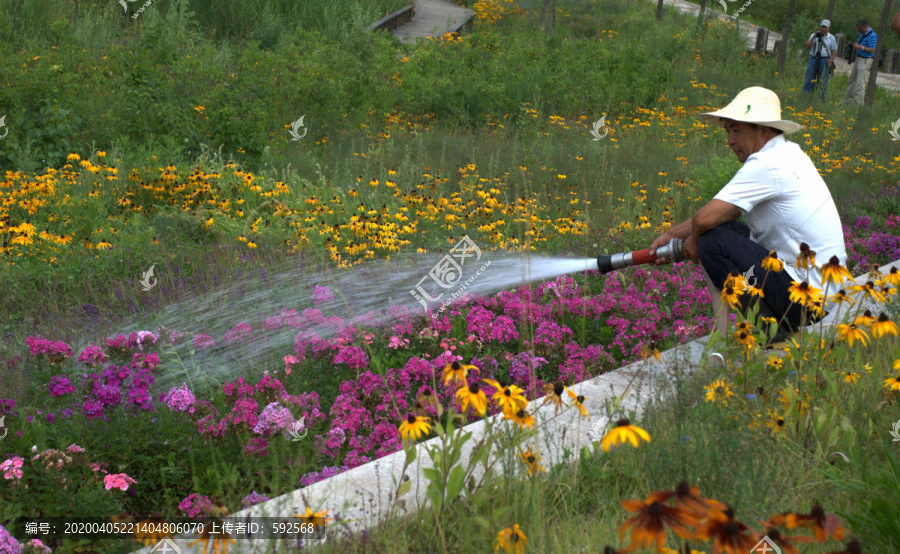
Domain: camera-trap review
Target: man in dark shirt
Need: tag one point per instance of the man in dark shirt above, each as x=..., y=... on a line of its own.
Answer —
x=859, y=72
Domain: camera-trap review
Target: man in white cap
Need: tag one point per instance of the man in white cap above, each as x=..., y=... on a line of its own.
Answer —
x=822, y=50
x=784, y=202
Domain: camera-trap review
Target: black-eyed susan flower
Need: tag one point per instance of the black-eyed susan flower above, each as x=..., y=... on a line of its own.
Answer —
x=851, y=377
x=772, y=263
x=784, y=542
x=219, y=538
x=892, y=384
x=474, y=396
x=803, y=293
x=427, y=398
x=318, y=519
x=840, y=297
x=649, y=349
x=853, y=547
x=554, y=395
x=745, y=339
x=866, y=319
x=652, y=519
x=824, y=525
x=731, y=295
x=511, y=539
x=807, y=257
x=624, y=432
x=414, y=427
x=578, y=401
x=743, y=326
x=851, y=333
x=775, y=363
x=718, y=391
x=768, y=320
x=892, y=278
x=532, y=460
x=870, y=291
x=520, y=417
x=103, y=245
x=755, y=291
x=688, y=498
x=735, y=280
x=507, y=397
x=728, y=534
x=457, y=372
x=834, y=272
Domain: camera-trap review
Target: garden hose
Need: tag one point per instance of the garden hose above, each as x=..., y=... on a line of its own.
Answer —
x=674, y=251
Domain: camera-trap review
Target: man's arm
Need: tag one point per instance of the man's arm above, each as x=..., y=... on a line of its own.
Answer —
x=716, y=211
x=713, y=214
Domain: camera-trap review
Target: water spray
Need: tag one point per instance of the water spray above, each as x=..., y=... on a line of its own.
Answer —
x=674, y=251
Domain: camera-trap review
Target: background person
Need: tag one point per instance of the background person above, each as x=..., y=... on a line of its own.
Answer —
x=862, y=64
x=783, y=200
x=822, y=50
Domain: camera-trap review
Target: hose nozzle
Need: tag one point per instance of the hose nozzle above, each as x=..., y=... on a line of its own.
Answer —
x=674, y=251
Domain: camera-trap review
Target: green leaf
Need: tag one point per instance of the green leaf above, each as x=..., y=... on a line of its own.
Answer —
x=432, y=475
x=404, y=488
x=481, y=522
x=455, y=482
x=411, y=451
x=498, y=513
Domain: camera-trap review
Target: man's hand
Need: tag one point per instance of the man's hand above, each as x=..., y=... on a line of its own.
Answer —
x=690, y=249
x=661, y=240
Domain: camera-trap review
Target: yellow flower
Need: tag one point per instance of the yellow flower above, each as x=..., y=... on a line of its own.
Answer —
x=851, y=377
x=73, y=157
x=772, y=263
x=472, y=395
x=730, y=295
x=512, y=539
x=834, y=272
x=892, y=384
x=892, y=278
x=650, y=350
x=414, y=427
x=806, y=258
x=769, y=320
x=775, y=362
x=532, y=460
x=736, y=280
x=318, y=519
x=756, y=290
x=718, y=391
x=803, y=293
x=579, y=402
x=520, y=417
x=851, y=333
x=746, y=339
x=457, y=372
x=870, y=290
x=866, y=319
x=510, y=397
x=883, y=326
x=554, y=395
x=624, y=432
x=840, y=297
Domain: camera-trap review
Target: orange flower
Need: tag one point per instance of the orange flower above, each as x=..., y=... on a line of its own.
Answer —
x=649, y=525
x=688, y=498
x=728, y=534
x=823, y=525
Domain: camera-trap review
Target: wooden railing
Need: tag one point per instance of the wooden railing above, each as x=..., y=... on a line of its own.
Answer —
x=394, y=20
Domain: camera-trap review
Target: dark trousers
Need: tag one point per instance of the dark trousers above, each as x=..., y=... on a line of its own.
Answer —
x=728, y=247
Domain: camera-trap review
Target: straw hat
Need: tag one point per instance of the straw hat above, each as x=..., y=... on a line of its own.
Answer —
x=754, y=105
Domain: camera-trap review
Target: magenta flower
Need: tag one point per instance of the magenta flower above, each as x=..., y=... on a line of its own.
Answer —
x=180, y=399
x=60, y=385
x=92, y=356
x=12, y=467
x=322, y=295
x=195, y=505
x=203, y=341
x=252, y=499
x=242, y=331
x=354, y=356
x=118, y=481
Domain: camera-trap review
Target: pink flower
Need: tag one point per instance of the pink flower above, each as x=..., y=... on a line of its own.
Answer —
x=118, y=481
x=12, y=467
x=289, y=361
x=74, y=448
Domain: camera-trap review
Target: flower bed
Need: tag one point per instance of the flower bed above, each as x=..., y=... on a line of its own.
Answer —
x=347, y=393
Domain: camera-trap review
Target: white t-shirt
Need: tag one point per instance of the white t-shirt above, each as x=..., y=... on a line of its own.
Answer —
x=827, y=46
x=785, y=202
